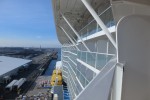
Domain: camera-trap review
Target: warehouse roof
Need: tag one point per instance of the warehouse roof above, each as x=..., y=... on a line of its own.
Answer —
x=9, y=63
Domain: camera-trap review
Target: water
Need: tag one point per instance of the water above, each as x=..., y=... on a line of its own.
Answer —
x=52, y=64
x=50, y=68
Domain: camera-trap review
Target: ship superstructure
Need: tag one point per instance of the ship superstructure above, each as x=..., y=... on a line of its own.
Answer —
x=105, y=49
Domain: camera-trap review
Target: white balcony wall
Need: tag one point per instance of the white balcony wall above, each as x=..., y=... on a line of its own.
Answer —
x=134, y=52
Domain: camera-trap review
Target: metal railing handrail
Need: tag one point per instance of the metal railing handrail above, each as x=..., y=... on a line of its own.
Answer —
x=94, y=19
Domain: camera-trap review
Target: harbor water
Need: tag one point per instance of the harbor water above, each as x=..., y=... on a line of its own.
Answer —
x=52, y=64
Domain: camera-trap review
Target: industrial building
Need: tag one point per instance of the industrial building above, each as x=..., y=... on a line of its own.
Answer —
x=10, y=65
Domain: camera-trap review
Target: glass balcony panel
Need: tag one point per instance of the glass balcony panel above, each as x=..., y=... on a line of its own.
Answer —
x=83, y=57
x=77, y=85
x=83, y=69
x=65, y=74
x=79, y=55
x=74, y=51
x=107, y=18
x=82, y=80
x=65, y=69
x=73, y=58
x=83, y=32
x=71, y=89
x=92, y=27
x=91, y=57
x=79, y=88
x=86, y=83
x=76, y=91
x=89, y=74
x=78, y=74
x=74, y=68
x=101, y=61
x=79, y=67
x=109, y=57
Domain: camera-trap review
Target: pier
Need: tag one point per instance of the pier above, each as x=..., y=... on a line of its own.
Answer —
x=32, y=73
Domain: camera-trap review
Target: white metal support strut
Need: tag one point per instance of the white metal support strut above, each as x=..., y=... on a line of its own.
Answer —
x=69, y=37
x=100, y=22
x=76, y=33
x=117, y=83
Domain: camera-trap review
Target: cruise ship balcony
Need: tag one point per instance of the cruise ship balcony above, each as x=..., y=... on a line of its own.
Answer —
x=93, y=30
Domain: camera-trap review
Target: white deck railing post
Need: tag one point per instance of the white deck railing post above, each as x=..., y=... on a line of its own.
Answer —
x=100, y=22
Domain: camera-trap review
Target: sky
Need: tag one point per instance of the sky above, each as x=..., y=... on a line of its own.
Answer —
x=27, y=23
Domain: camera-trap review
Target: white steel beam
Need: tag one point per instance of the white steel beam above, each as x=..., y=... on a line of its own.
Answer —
x=100, y=22
x=69, y=37
x=76, y=33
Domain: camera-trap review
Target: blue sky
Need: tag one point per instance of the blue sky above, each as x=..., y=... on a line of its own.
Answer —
x=27, y=23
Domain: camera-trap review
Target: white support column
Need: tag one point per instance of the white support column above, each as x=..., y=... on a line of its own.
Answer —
x=76, y=33
x=117, y=82
x=100, y=22
x=69, y=37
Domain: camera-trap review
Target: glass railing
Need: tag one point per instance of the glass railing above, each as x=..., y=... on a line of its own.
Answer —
x=102, y=60
x=74, y=51
x=91, y=58
x=92, y=27
x=94, y=59
x=70, y=55
x=69, y=49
